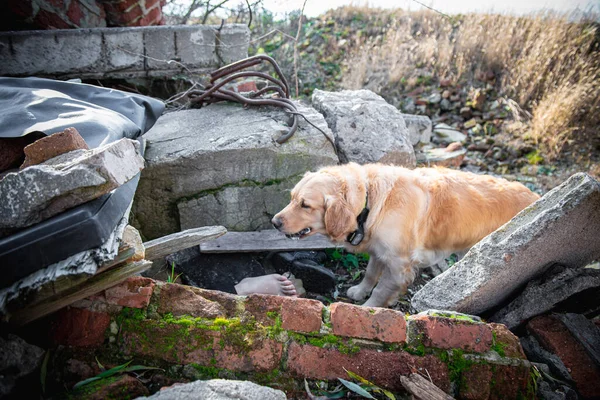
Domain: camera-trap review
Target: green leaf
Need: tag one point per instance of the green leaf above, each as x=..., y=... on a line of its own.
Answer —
x=359, y=378
x=139, y=368
x=100, y=365
x=44, y=371
x=340, y=394
x=356, y=389
x=104, y=374
x=336, y=255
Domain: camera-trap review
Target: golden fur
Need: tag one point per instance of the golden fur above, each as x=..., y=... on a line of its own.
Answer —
x=417, y=217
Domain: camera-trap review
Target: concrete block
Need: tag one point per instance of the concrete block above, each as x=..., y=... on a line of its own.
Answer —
x=124, y=49
x=560, y=228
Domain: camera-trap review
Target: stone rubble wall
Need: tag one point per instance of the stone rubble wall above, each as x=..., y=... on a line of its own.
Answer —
x=121, y=52
x=279, y=341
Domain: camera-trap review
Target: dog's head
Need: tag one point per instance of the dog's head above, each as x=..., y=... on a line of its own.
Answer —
x=323, y=202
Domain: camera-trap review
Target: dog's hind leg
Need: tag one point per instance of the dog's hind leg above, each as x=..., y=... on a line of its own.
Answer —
x=362, y=290
x=393, y=282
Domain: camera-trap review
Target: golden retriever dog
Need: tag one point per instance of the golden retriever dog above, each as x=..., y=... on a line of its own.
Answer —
x=404, y=218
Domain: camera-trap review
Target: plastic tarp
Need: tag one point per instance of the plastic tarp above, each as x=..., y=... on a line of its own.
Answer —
x=101, y=115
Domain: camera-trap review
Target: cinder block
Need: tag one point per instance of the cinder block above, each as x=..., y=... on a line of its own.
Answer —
x=124, y=49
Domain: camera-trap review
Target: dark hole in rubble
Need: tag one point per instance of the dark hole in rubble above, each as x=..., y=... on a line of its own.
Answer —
x=324, y=278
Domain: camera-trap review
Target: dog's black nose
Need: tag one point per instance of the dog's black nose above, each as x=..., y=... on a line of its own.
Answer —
x=276, y=223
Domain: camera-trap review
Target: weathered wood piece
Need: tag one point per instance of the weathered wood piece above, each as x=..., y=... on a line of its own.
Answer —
x=423, y=389
x=131, y=249
x=101, y=281
x=267, y=240
x=170, y=244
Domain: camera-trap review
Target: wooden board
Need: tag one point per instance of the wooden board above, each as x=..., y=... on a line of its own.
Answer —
x=267, y=240
x=170, y=244
x=93, y=285
x=131, y=249
x=423, y=389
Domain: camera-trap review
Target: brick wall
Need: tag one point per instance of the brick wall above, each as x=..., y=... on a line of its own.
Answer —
x=290, y=339
x=66, y=14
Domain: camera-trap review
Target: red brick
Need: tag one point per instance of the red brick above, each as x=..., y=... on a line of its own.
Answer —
x=74, y=13
x=246, y=86
x=475, y=382
x=509, y=382
x=79, y=327
x=123, y=386
x=259, y=305
x=265, y=355
x=302, y=315
x=449, y=333
x=122, y=18
x=509, y=343
x=368, y=323
x=135, y=292
x=49, y=20
x=54, y=145
x=184, y=300
x=153, y=17
x=228, y=301
x=184, y=344
x=381, y=368
x=494, y=381
x=554, y=336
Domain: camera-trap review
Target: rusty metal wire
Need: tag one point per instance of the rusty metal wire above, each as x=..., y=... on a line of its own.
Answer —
x=277, y=94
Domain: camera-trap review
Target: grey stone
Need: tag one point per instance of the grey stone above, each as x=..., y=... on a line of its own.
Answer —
x=434, y=98
x=242, y=201
x=80, y=264
x=419, y=128
x=444, y=133
x=560, y=228
x=17, y=360
x=586, y=333
x=160, y=46
x=548, y=391
x=225, y=153
x=445, y=105
x=218, y=389
x=197, y=47
x=233, y=43
x=545, y=293
x=41, y=191
x=535, y=352
x=126, y=50
x=367, y=129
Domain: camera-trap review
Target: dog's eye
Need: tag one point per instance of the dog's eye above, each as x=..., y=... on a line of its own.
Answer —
x=304, y=205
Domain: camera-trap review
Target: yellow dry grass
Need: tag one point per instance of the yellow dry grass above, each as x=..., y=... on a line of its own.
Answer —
x=547, y=64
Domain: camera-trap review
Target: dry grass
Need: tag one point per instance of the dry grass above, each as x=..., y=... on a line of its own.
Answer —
x=548, y=65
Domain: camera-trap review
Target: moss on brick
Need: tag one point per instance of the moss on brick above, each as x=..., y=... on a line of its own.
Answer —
x=498, y=346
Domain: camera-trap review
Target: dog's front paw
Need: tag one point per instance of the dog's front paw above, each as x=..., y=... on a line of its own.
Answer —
x=357, y=293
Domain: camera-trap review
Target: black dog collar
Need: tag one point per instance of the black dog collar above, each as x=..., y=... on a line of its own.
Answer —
x=354, y=238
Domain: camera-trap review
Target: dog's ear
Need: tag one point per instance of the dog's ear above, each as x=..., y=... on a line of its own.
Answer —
x=339, y=219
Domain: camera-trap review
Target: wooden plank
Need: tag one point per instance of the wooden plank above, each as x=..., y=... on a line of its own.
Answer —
x=267, y=240
x=93, y=285
x=166, y=245
x=423, y=389
x=130, y=250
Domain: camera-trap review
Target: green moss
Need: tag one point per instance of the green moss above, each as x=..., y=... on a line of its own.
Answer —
x=418, y=350
x=344, y=346
x=457, y=364
x=458, y=317
x=274, y=331
x=207, y=372
x=498, y=346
